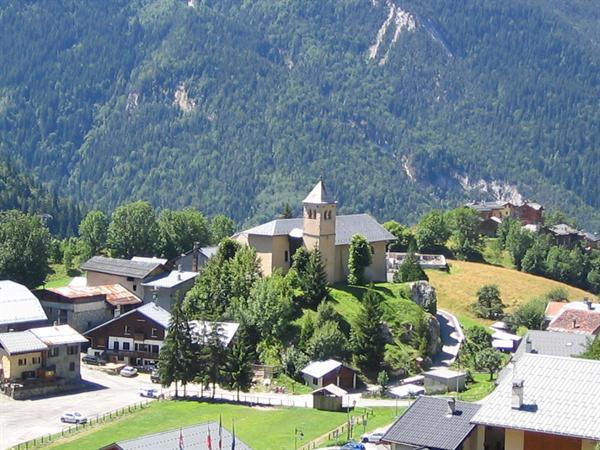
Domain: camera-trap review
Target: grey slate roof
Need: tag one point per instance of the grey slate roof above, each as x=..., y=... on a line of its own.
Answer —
x=345, y=227
x=554, y=343
x=561, y=397
x=195, y=436
x=562, y=229
x=318, y=195
x=151, y=310
x=18, y=304
x=427, y=423
x=21, y=342
x=122, y=267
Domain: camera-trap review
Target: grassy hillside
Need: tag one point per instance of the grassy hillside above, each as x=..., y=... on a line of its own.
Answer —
x=260, y=428
x=457, y=290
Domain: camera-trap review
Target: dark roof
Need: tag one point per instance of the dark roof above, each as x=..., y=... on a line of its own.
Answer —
x=554, y=343
x=122, y=267
x=195, y=436
x=151, y=310
x=427, y=423
x=345, y=228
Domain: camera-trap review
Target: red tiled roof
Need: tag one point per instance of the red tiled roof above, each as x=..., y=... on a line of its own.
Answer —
x=115, y=294
x=576, y=321
x=554, y=308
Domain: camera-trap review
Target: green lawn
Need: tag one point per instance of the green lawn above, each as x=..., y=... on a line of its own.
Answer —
x=59, y=277
x=481, y=387
x=291, y=386
x=260, y=428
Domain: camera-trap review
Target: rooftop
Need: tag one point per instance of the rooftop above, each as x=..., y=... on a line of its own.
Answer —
x=18, y=304
x=115, y=294
x=227, y=329
x=576, y=321
x=318, y=195
x=195, y=436
x=552, y=343
x=58, y=335
x=122, y=267
x=561, y=397
x=170, y=279
x=428, y=423
x=444, y=373
x=562, y=229
x=18, y=342
x=150, y=310
x=345, y=227
x=330, y=389
x=317, y=369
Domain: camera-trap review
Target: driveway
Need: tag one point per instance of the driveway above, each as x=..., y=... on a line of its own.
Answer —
x=452, y=337
x=21, y=420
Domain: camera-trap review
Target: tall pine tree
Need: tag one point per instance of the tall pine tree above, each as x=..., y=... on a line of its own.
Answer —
x=237, y=370
x=367, y=338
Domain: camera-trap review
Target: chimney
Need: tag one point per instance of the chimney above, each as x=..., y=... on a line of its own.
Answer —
x=179, y=268
x=528, y=346
x=575, y=324
x=451, y=406
x=517, y=394
x=195, y=252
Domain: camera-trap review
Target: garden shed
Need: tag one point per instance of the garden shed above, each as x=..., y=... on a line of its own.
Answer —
x=328, y=398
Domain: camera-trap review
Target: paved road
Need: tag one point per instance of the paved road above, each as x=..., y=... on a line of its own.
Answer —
x=21, y=420
x=452, y=337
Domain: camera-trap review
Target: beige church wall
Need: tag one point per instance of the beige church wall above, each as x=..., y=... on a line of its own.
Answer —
x=341, y=263
x=376, y=271
x=279, y=246
x=264, y=248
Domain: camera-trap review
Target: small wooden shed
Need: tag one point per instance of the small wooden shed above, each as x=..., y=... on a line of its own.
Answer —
x=328, y=398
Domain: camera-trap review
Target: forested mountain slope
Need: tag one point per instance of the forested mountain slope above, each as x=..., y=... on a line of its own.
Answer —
x=239, y=106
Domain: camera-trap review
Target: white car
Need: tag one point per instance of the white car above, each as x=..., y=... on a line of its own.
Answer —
x=374, y=437
x=148, y=392
x=73, y=417
x=128, y=371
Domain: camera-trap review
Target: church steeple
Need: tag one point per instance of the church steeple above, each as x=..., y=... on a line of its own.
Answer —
x=318, y=195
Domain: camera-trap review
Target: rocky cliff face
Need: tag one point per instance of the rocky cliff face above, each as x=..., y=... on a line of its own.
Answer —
x=423, y=294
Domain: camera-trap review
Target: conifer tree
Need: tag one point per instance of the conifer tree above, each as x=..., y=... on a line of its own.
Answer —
x=237, y=370
x=359, y=258
x=409, y=270
x=367, y=338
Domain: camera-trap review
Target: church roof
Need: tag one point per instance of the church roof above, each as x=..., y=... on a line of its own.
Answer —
x=318, y=195
x=345, y=228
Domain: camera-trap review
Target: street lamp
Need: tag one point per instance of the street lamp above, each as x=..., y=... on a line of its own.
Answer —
x=298, y=434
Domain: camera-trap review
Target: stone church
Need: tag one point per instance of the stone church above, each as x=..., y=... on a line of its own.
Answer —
x=320, y=227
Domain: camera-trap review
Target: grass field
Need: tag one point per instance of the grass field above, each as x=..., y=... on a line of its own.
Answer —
x=260, y=428
x=59, y=277
x=458, y=289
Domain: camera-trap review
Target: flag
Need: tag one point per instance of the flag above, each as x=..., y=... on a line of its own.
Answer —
x=181, y=446
x=232, y=435
x=209, y=440
x=220, y=433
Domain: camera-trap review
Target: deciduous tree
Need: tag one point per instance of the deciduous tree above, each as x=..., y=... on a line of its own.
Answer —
x=133, y=230
x=93, y=231
x=489, y=304
x=359, y=259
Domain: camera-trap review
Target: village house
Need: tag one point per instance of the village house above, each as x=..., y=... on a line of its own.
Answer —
x=553, y=343
x=136, y=337
x=19, y=308
x=493, y=213
x=40, y=360
x=565, y=235
x=547, y=402
x=443, y=380
x=85, y=307
x=435, y=423
x=576, y=321
x=319, y=374
x=151, y=279
x=194, y=259
x=320, y=227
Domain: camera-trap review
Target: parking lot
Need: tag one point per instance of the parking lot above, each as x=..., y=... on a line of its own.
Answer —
x=21, y=420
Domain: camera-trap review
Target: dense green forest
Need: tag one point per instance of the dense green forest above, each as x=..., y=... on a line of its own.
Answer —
x=237, y=107
x=21, y=192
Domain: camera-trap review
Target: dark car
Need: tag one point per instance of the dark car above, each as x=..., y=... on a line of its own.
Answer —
x=155, y=376
x=93, y=360
x=353, y=445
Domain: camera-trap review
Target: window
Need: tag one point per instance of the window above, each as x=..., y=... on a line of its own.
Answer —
x=22, y=361
x=125, y=345
x=134, y=287
x=129, y=278
x=72, y=366
x=72, y=350
x=154, y=332
x=116, y=345
x=372, y=250
x=36, y=360
x=126, y=332
x=286, y=256
x=53, y=352
x=315, y=380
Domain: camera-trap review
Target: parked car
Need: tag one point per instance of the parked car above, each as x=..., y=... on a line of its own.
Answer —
x=353, y=445
x=73, y=417
x=155, y=376
x=374, y=437
x=93, y=360
x=128, y=371
x=148, y=392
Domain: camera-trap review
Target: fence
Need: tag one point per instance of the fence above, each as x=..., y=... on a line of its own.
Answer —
x=338, y=433
x=248, y=399
x=73, y=429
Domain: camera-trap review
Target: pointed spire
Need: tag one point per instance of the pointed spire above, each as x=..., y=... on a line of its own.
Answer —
x=318, y=194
